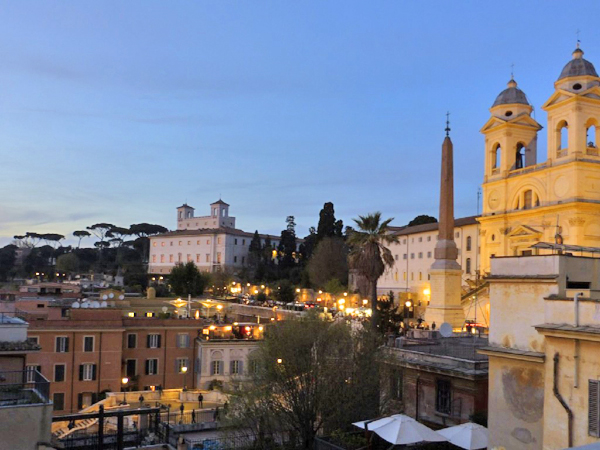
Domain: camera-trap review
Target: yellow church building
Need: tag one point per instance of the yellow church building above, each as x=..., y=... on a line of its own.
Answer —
x=556, y=200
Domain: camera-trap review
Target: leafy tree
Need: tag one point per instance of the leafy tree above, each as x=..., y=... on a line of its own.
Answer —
x=389, y=315
x=52, y=239
x=422, y=219
x=80, y=234
x=221, y=280
x=186, y=279
x=142, y=231
x=28, y=240
x=312, y=376
x=117, y=235
x=287, y=246
x=285, y=292
x=334, y=287
x=146, y=229
x=307, y=247
x=68, y=262
x=8, y=256
x=329, y=260
x=369, y=255
x=101, y=230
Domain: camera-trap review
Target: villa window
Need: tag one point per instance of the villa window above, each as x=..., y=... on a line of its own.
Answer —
x=216, y=368
x=235, y=367
x=468, y=266
x=468, y=243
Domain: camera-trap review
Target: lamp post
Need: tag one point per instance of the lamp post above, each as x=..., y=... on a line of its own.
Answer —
x=124, y=382
x=184, y=372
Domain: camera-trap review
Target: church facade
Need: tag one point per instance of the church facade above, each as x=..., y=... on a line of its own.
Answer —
x=556, y=200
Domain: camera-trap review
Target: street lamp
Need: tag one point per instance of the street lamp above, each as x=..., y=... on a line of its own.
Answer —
x=124, y=381
x=184, y=372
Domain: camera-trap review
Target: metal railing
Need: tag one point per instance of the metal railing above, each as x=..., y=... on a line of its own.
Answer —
x=196, y=416
x=23, y=387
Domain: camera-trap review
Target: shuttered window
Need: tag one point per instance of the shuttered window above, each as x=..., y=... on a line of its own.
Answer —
x=87, y=372
x=153, y=341
x=151, y=366
x=183, y=341
x=594, y=408
x=62, y=344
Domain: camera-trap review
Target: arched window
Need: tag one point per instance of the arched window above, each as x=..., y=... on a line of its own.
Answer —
x=563, y=138
x=468, y=243
x=520, y=156
x=496, y=156
x=527, y=199
x=591, y=136
x=468, y=268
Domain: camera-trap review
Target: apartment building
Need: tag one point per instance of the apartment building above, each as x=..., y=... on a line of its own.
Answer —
x=92, y=350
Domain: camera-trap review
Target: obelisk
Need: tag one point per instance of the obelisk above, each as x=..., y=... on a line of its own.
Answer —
x=445, y=273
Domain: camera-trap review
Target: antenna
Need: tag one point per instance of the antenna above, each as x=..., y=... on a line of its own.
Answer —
x=448, y=123
x=512, y=71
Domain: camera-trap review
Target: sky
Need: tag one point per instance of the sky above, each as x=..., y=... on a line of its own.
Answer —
x=119, y=111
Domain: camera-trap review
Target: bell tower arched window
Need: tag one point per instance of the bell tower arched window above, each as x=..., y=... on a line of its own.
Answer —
x=520, y=156
x=591, y=136
x=496, y=157
x=562, y=138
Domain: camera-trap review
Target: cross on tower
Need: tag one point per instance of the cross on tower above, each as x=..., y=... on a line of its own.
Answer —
x=578, y=40
x=448, y=123
x=512, y=71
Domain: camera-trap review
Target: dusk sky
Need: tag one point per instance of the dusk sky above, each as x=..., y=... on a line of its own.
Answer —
x=121, y=111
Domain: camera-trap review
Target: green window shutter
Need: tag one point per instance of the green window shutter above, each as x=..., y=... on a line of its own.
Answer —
x=594, y=408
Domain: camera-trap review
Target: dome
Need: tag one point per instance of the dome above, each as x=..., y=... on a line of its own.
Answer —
x=578, y=67
x=512, y=94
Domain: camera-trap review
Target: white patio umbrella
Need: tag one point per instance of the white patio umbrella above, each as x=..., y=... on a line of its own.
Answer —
x=469, y=436
x=401, y=430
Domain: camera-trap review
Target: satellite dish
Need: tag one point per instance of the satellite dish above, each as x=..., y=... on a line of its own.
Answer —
x=121, y=297
x=103, y=305
x=164, y=309
x=105, y=297
x=75, y=305
x=446, y=329
x=111, y=295
x=85, y=305
x=95, y=304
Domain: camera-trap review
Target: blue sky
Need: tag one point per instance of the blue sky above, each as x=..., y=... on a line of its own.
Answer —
x=121, y=111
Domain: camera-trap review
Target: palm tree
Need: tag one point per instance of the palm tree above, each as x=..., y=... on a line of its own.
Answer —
x=369, y=255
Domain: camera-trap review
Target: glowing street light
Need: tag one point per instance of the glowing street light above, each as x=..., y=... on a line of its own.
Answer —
x=365, y=302
x=184, y=372
x=124, y=382
x=279, y=360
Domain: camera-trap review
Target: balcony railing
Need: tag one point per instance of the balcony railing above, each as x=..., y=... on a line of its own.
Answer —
x=23, y=387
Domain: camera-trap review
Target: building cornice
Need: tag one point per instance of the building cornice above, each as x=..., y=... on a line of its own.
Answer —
x=513, y=353
x=564, y=331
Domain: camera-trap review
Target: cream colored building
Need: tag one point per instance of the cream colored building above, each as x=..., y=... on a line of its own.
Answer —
x=211, y=242
x=544, y=352
x=413, y=255
x=526, y=201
